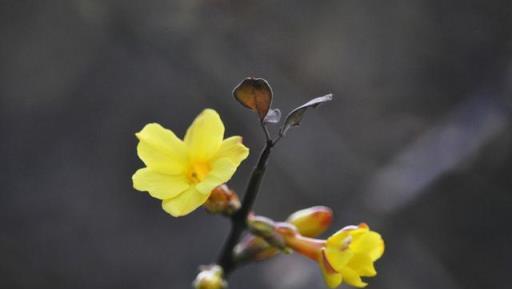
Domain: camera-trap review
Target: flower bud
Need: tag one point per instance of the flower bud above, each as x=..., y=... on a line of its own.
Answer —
x=253, y=248
x=210, y=277
x=222, y=200
x=313, y=221
x=286, y=230
x=260, y=225
x=266, y=229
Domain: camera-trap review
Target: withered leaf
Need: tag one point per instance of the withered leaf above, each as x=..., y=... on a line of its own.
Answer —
x=255, y=94
x=295, y=116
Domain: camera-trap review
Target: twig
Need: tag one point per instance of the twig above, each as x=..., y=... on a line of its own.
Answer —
x=265, y=130
x=239, y=219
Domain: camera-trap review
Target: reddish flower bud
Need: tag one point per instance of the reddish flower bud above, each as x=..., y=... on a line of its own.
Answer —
x=313, y=221
x=222, y=200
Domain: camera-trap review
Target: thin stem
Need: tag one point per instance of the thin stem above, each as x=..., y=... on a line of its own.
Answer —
x=265, y=130
x=239, y=219
x=277, y=139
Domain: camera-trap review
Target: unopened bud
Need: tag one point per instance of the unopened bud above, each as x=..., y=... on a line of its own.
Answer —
x=222, y=200
x=260, y=225
x=210, y=277
x=266, y=228
x=253, y=248
x=286, y=230
x=313, y=221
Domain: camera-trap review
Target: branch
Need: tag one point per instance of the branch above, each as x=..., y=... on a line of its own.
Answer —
x=239, y=219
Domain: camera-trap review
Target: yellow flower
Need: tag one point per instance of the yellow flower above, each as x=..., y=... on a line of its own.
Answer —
x=349, y=255
x=183, y=173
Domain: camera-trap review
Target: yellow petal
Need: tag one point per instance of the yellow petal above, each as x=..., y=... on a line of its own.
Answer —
x=233, y=149
x=352, y=278
x=332, y=279
x=338, y=258
x=222, y=170
x=159, y=185
x=204, y=136
x=184, y=203
x=370, y=243
x=161, y=150
x=339, y=237
x=363, y=265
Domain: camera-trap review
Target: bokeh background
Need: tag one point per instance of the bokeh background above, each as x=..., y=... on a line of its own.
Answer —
x=417, y=143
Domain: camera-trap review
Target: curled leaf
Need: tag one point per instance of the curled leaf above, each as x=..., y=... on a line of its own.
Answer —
x=255, y=94
x=295, y=116
x=273, y=116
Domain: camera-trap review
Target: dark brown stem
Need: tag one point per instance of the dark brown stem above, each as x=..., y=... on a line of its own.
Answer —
x=239, y=219
x=265, y=130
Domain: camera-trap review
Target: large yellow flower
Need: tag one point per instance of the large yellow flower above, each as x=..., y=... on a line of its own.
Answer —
x=349, y=255
x=182, y=173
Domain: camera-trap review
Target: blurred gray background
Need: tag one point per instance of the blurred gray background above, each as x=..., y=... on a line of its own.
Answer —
x=418, y=142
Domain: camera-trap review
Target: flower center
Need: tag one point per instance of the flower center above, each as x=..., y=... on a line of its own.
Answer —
x=197, y=172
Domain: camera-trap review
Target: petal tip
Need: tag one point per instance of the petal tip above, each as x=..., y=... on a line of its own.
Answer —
x=209, y=111
x=173, y=211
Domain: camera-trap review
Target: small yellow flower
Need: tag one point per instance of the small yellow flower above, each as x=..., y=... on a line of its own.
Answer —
x=349, y=255
x=183, y=173
x=346, y=256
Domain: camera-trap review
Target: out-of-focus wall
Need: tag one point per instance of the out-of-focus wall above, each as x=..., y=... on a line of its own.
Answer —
x=418, y=142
